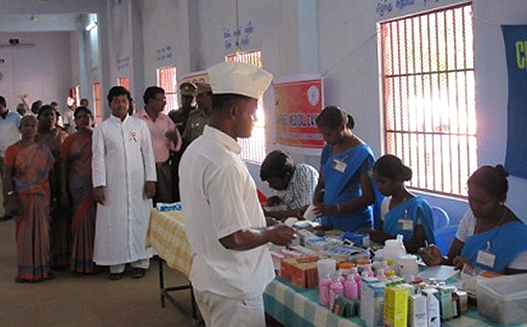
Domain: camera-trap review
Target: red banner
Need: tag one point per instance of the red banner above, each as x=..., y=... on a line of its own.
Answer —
x=298, y=103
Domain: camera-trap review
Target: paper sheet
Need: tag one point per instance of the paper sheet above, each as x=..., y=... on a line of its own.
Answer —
x=309, y=214
x=440, y=273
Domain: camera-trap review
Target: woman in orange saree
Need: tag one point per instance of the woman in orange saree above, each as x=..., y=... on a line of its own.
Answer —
x=27, y=166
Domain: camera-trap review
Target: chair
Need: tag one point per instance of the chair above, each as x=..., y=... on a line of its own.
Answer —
x=443, y=233
x=440, y=217
x=445, y=237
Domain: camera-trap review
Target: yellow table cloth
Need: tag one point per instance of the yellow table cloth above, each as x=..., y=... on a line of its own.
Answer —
x=166, y=234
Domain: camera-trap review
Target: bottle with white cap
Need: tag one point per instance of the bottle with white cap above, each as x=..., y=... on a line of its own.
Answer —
x=336, y=290
x=351, y=289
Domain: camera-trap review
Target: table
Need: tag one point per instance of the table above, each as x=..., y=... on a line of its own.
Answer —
x=288, y=304
x=166, y=234
x=293, y=306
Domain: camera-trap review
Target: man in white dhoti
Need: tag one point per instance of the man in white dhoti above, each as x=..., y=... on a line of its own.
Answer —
x=224, y=221
x=124, y=177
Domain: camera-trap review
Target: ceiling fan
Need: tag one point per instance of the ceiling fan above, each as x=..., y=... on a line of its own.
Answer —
x=15, y=43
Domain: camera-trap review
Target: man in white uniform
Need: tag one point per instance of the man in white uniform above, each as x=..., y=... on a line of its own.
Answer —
x=224, y=221
x=124, y=177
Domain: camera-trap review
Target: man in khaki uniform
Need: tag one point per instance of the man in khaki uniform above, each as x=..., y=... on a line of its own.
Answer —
x=200, y=117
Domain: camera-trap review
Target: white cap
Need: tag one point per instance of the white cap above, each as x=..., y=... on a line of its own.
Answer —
x=231, y=77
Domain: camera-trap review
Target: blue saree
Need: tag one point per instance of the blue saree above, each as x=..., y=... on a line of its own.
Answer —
x=506, y=242
x=397, y=220
x=342, y=184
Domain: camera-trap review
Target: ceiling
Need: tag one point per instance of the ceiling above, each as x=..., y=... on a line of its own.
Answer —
x=40, y=23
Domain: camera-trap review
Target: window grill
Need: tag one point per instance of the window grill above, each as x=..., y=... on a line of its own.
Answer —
x=124, y=82
x=166, y=79
x=253, y=148
x=429, y=97
x=97, y=107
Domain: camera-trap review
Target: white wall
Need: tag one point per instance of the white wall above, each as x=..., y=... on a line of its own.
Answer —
x=346, y=54
x=42, y=72
x=165, y=37
x=348, y=59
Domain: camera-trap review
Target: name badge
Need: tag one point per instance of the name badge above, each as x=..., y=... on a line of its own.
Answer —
x=339, y=166
x=406, y=224
x=486, y=258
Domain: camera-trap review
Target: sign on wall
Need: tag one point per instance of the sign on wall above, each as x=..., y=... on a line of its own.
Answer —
x=298, y=102
x=515, y=38
x=195, y=77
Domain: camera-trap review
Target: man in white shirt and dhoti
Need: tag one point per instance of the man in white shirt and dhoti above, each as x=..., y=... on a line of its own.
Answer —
x=224, y=221
x=124, y=177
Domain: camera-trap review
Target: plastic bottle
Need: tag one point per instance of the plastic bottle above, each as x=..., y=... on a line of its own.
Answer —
x=323, y=289
x=356, y=278
x=336, y=290
x=393, y=249
x=351, y=290
x=368, y=272
x=380, y=275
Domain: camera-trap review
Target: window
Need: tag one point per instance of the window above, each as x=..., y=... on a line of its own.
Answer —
x=429, y=97
x=253, y=148
x=124, y=82
x=97, y=108
x=75, y=94
x=166, y=79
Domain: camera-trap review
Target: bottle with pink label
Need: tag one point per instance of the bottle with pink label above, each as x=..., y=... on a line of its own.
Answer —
x=351, y=290
x=336, y=290
x=323, y=289
x=356, y=277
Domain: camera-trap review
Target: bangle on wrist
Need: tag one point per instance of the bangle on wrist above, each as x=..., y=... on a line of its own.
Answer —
x=10, y=193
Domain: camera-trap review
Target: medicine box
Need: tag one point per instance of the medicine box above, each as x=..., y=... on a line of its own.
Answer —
x=396, y=306
x=372, y=302
x=301, y=271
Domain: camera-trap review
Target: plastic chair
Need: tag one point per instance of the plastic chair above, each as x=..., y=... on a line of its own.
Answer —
x=445, y=237
x=443, y=233
x=441, y=219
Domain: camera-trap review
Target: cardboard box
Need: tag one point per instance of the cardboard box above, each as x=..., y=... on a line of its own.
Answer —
x=301, y=271
x=396, y=306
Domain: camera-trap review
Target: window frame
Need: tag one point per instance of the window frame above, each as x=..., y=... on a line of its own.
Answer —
x=430, y=149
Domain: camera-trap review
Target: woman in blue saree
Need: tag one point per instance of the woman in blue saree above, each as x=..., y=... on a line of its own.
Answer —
x=344, y=193
x=490, y=236
x=401, y=212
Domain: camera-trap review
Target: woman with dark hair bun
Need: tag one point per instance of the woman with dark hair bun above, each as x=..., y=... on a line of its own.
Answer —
x=401, y=212
x=344, y=194
x=53, y=136
x=490, y=236
x=76, y=191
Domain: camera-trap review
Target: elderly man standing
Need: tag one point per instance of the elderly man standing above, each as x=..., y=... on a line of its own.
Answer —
x=9, y=134
x=124, y=177
x=224, y=221
x=165, y=138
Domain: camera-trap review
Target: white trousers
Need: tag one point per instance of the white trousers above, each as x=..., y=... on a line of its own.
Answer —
x=220, y=311
x=117, y=269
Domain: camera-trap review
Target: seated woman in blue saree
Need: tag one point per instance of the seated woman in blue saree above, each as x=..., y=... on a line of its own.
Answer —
x=401, y=212
x=344, y=193
x=490, y=236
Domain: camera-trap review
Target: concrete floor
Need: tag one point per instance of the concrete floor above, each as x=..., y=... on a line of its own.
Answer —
x=80, y=301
